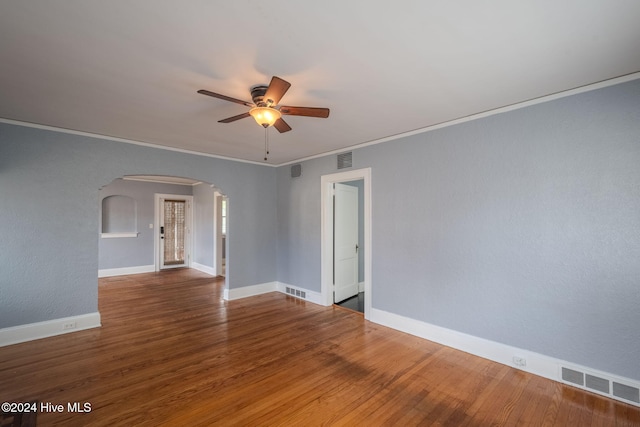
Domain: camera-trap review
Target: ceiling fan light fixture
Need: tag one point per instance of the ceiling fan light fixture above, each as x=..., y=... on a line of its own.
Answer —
x=265, y=116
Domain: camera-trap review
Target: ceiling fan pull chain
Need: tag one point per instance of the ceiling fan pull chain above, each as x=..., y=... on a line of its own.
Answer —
x=266, y=144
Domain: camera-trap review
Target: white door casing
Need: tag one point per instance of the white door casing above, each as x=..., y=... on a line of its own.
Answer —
x=217, y=245
x=159, y=224
x=326, y=231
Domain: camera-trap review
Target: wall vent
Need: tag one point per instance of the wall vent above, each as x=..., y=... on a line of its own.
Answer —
x=345, y=160
x=295, y=292
x=296, y=171
x=572, y=376
x=600, y=384
x=626, y=392
x=597, y=383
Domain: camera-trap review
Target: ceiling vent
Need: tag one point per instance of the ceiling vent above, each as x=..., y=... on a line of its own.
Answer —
x=344, y=160
x=296, y=171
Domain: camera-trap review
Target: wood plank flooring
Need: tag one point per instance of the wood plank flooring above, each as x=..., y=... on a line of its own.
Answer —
x=172, y=352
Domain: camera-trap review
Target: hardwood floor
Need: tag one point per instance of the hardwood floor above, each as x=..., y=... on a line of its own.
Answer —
x=172, y=352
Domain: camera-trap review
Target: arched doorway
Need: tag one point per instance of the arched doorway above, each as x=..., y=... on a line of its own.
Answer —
x=134, y=229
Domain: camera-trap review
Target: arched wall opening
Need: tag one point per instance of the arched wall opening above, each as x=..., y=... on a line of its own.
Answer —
x=135, y=201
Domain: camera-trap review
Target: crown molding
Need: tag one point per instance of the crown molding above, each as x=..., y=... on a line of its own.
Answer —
x=471, y=117
x=516, y=106
x=126, y=141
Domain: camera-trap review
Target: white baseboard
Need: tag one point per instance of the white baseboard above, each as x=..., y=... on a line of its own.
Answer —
x=501, y=353
x=535, y=363
x=110, y=272
x=49, y=328
x=249, y=291
x=360, y=286
x=204, y=268
x=263, y=288
x=311, y=296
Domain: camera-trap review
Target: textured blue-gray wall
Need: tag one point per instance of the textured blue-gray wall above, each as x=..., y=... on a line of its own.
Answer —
x=203, y=236
x=299, y=223
x=50, y=207
x=522, y=228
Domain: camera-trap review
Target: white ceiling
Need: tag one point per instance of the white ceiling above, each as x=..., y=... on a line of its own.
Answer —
x=131, y=69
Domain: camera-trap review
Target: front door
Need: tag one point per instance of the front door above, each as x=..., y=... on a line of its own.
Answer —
x=173, y=233
x=345, y=242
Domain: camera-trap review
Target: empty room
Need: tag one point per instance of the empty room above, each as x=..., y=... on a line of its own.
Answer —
x=327, y=213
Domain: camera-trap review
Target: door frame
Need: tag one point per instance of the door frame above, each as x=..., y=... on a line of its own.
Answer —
x=188, y=246
x=326, y=233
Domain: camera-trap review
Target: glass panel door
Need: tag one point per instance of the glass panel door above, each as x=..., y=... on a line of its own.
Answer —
x=174, y=232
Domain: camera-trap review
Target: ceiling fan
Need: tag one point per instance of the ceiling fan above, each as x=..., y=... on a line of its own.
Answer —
x=265, y=109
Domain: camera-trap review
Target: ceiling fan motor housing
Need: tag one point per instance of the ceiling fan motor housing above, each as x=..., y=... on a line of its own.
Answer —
x=257, y=95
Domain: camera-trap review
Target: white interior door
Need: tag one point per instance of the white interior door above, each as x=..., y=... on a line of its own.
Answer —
x=174, y=232
x=345, y=242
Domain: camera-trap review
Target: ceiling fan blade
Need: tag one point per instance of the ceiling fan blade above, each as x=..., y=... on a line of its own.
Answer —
x=234, y=118
x=276, y=90
x=322, y=113
x=225, y=97
x=282, y=126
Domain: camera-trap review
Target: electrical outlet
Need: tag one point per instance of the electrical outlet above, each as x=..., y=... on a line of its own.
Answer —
x=519, y=361
x=68, y=325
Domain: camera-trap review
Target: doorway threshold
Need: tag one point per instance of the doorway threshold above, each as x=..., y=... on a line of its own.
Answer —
x=355, y=303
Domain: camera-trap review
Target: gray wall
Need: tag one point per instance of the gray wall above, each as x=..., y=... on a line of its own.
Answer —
x=299, y=223
x=134, y=251
x=522, y=228
x=203, y=199
x=50, y=210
